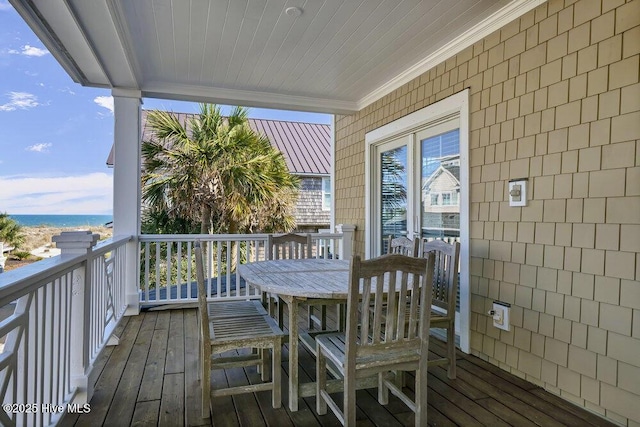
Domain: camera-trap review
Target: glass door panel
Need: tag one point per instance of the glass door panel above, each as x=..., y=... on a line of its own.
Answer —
x=393, y=194
x=440, y=190
x=440, y=186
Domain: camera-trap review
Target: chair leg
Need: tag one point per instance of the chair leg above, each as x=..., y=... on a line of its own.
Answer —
x=276, y=359
x=310, y=322
x=323, y=317
x=451, y=351
x=205, y=385
x=383, y=390
x=421, y=397
x=280, y=317
x=321, y=382
x=272, y=306
x=264, y=364
x=349, y=408
x=341, y=316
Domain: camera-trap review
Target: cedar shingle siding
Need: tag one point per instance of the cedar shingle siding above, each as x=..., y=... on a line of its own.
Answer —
x=554, y=96
x=309, y=213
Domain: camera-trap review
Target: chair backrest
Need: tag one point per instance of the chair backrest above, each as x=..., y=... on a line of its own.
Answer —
x=445, y=275
x=403, y=245
x=202, y=296
x=289, y=246
x=384, y=284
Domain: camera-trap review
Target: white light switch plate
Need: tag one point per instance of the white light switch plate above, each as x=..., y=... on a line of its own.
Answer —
x=522, y=186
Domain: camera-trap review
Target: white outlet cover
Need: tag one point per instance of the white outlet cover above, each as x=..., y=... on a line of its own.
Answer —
x=504, y=311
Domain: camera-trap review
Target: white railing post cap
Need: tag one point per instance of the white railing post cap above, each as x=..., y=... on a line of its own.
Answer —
x=75, y=242
x=342, y=228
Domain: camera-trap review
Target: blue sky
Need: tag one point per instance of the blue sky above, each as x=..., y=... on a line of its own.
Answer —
x=55, y=135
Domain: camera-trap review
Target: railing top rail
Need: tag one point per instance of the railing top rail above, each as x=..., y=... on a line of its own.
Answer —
x=23, y=280
x=206, y=237
x=219, y=237
x=108, y=245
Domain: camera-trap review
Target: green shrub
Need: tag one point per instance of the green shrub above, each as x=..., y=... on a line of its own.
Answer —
x=21, y=255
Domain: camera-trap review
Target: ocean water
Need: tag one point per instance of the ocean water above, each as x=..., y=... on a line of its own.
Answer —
x=62, y=220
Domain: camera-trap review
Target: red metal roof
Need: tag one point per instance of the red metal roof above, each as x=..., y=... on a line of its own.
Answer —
x=306, y=146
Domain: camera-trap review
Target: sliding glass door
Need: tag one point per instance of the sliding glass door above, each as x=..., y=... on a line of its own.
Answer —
x=417, y=182
x=417, y=185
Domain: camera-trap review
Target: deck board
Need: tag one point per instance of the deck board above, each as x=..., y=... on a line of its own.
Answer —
x=124, y=400
x=146, y=414
x=107, y=383
x=151, y=378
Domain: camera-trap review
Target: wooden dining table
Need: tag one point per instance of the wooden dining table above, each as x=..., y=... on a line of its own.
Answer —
x=299, y=282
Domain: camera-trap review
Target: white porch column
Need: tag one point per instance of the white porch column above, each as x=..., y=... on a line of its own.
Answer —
x=126, y=184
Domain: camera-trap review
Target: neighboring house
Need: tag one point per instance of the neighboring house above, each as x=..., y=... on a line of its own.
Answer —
x=307, y=151
x=441, y=199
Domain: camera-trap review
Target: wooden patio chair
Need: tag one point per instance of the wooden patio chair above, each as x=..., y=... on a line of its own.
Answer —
x=445, y=291
x=403, y=245
x=289, y=246
x=382, y=343
x=222, y=334
x=233, y=308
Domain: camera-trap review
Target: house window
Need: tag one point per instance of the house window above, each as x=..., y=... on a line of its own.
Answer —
x=326, y=193
x=446, y=199
x=434, y=199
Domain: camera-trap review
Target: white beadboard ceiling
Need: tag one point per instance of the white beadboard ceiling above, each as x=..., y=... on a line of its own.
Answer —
x=337, y=56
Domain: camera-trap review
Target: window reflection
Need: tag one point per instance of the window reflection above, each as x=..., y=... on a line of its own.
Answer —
x=393, y=194
x=440, y=184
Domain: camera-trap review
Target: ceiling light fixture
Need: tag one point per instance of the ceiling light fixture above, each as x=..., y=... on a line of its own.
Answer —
x=293, y=11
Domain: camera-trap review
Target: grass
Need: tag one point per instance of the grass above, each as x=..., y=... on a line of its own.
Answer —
x=39, y=236
x=36, y=237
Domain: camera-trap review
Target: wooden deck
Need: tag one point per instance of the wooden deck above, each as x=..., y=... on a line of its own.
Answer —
x=149, y=379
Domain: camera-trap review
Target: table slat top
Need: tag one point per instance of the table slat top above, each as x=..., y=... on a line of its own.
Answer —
x=306, y=278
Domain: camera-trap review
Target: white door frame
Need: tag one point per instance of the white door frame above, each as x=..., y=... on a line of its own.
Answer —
x=408, y=126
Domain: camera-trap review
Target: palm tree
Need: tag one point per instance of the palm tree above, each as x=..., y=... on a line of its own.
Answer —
x=10, y=231
x=217, y=171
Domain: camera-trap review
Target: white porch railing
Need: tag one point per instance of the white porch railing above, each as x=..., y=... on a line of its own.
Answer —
x=167, y=265
x=57, y=316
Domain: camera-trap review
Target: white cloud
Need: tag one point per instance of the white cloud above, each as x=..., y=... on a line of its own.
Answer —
x=81, y=194
x=104, y=101
x=33, y=51
x=20, y=101
x=28, y=50
x=39, y=148
x=67, y=90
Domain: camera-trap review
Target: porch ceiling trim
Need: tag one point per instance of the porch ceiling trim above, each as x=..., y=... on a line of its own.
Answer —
x=239, y=97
